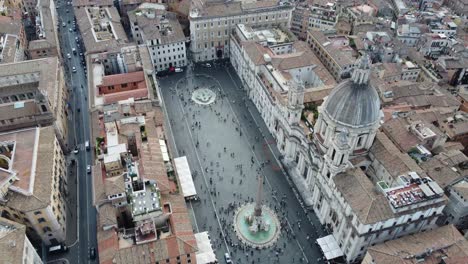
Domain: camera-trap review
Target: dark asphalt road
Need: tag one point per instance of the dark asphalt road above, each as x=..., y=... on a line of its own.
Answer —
x=241, y=135
x=80, y=239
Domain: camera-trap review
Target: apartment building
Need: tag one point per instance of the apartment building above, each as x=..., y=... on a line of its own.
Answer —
x=33, y=93
x=13, y=41
x=319, y=15
x=131, y=178
x=46, y=44
x=160, y=30
x=333, y=51
x=121, y=74
x=34, y=182
x=409, y=34
x=441, y=245
x=434, y=45
x=459, y=7
x=211, y=23
x=15, y=246
x=100, y=26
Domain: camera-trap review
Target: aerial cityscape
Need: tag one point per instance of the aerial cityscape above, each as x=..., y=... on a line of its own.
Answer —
x=233, y=131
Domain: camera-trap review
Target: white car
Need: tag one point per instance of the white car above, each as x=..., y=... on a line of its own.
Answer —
x=73, y=69
x=63, y=24
x=70, y=29
x=68, y=55
x=88, y=169
x=227, y=258
x=76, y=151
x=179, y=70
x=207, y=65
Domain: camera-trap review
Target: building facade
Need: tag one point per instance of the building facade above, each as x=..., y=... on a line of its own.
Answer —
x=33, y=194
x=211, y=24
x=161, y=32
x=15, y=246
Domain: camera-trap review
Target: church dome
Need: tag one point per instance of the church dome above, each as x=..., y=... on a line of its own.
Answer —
x=354, y=102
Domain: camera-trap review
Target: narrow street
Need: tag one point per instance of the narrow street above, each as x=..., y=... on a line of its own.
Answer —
x=227, y=146
x=81, y=214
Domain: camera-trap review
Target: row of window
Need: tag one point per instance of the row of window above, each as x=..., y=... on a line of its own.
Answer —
x=246, y=20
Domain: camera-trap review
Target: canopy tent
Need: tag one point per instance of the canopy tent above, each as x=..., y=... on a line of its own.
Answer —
x=329, y=247
x=185, y=177
x=205, y=253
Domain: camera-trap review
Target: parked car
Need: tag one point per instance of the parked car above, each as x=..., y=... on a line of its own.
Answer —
x=179, y=70
x=68, y=55
x=207, y=65
x=76, y=150
x=88, y=169
x=92, y=253
x=73, y=69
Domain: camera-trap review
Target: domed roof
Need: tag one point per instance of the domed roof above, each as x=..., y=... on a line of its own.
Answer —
x=352, y=104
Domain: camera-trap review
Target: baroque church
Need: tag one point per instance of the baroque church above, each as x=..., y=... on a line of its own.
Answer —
x=339, y=176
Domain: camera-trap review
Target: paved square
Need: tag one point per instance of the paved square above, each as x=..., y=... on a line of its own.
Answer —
x=226, y=150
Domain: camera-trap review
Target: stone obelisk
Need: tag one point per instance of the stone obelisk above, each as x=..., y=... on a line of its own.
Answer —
x=258, y=201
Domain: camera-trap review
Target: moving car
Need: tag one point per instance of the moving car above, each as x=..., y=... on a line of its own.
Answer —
x=73, y=69
x=68, y=55
x=63, y=24
x=57, y=249
x=227, y=257
x=88, y=169
x=76, y=150
x=207, y=65
x=179, y=70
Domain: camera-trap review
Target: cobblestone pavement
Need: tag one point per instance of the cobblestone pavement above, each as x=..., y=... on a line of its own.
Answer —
x=227, y=146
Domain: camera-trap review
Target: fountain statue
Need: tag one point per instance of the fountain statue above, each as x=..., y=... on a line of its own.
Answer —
x=255, y=224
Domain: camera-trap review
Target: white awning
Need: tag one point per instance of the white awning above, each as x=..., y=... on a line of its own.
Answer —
x=205, y=253
x=329, y=247
x=185, y=177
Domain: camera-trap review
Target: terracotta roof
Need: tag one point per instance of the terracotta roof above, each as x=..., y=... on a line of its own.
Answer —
x=48, y=39
x=12, y=239
x=107, y=215
x=114, y=185
x=130, y=77
x=392, y=159
x=42, y=190
x=366, y=202
x=153, y=166
x=445, y=241
x=396, y=130
x=8, y=25
x=440, y=171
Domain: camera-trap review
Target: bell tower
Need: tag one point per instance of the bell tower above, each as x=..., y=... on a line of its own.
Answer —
x=295, y=100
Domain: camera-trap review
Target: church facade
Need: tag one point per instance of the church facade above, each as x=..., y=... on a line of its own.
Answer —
x=337, y=168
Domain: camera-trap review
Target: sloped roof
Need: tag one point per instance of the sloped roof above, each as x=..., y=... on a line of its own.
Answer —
x=406, y=249
x=366, y=202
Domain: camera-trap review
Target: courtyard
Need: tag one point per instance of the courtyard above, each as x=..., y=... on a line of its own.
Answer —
x=227, y=146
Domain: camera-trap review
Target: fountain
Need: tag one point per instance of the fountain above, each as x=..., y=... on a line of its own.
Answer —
x=256, y=224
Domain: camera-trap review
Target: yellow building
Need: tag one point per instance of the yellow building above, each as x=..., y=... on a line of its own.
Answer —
x=15, y=247
x=33, y=93
x=32, y=180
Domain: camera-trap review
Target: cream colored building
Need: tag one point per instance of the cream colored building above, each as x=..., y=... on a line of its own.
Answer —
x=33, y=170
x=33, y=93
x=15, y=247
x=211, y=23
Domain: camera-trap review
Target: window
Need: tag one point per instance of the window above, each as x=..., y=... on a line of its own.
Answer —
x=41, y=220
x=37, y=212
x=124, y=85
